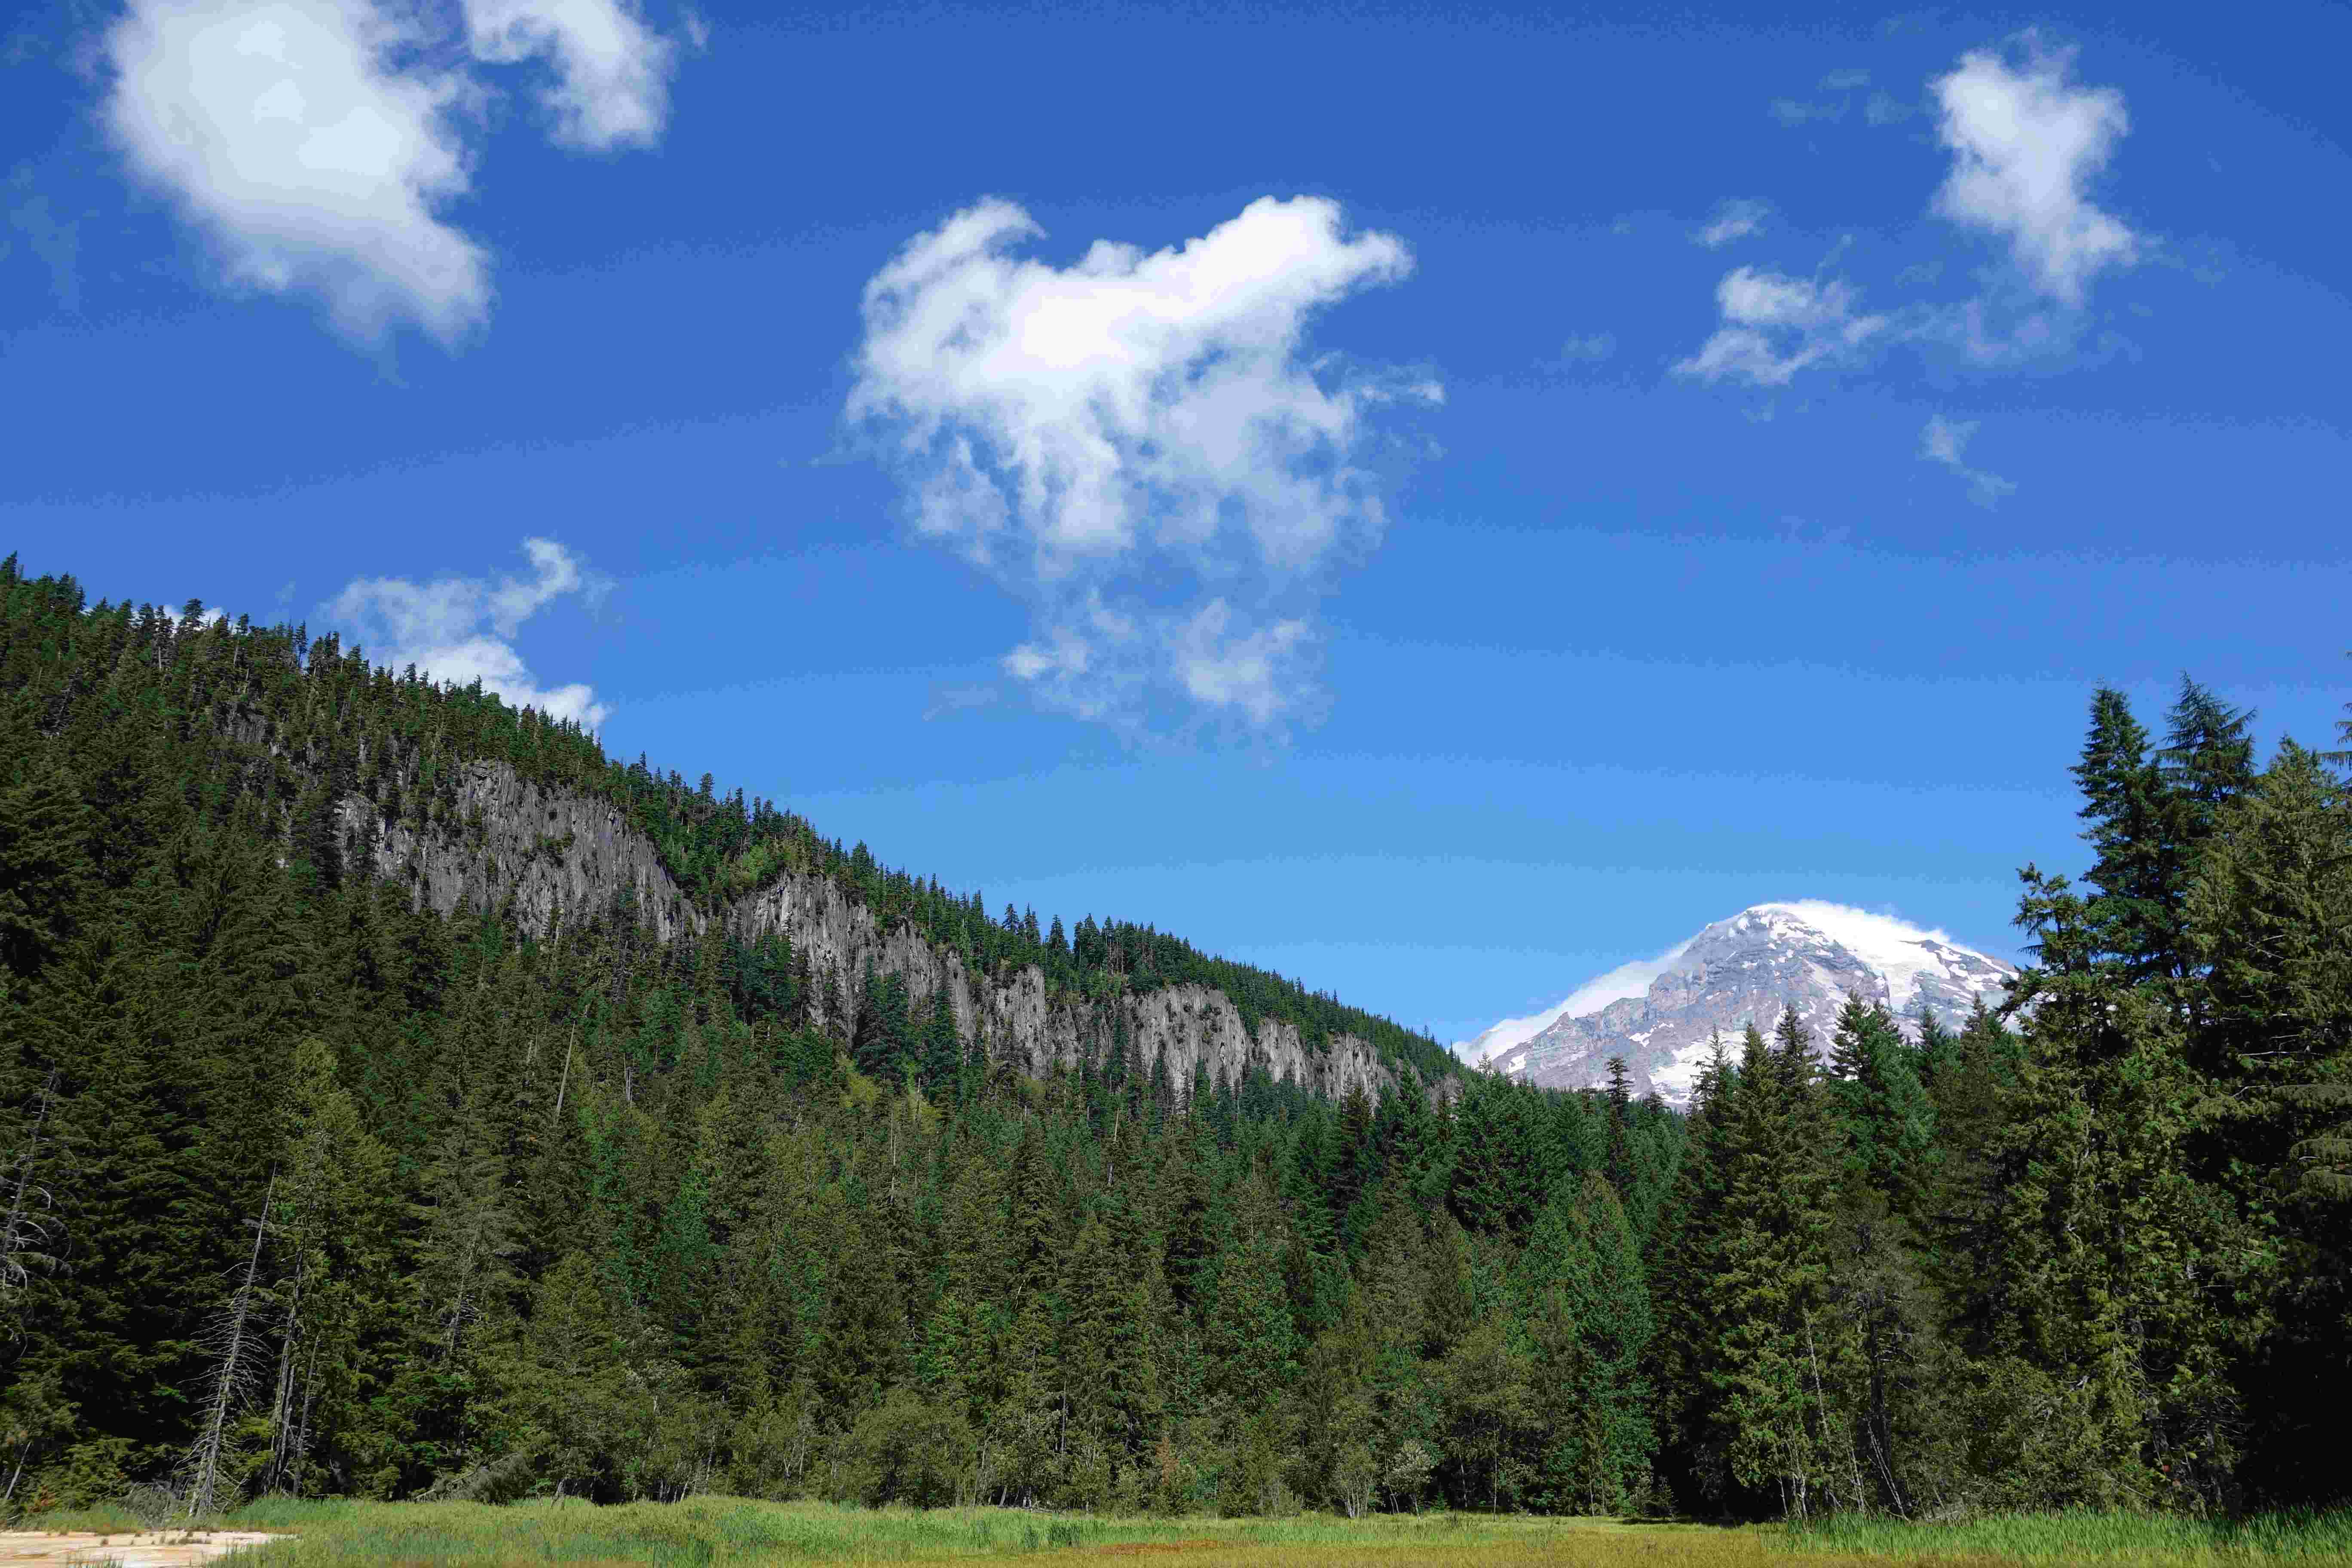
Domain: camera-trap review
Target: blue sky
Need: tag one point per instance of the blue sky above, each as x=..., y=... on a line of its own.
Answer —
x=1438, y=501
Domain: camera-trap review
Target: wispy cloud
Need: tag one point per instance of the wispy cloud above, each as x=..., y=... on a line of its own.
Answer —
x=1625, y=981
x=54, y=239
x=1732, y=220
x=320, y=144
x=1794, y=112
x=1946, y=441
x=1775, y=326
x=1592, y=348
x=1141, y=446
x=2025, y=142
x=1885, y=109
x=458, y=630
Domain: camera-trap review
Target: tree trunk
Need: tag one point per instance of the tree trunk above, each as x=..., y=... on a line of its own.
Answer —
x=231, y=1375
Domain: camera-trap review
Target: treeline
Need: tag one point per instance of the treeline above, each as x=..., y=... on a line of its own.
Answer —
x=305, y=723
x=310, y=1193
x=303, y=1190
x=308, y=1190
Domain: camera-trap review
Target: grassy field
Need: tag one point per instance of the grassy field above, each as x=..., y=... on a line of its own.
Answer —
x=2089, y=1537
x=724, y=1530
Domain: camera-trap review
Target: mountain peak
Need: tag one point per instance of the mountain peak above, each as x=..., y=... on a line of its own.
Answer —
x=1663, y=1013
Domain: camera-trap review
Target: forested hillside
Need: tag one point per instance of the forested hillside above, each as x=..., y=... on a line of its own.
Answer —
x=313, y=1186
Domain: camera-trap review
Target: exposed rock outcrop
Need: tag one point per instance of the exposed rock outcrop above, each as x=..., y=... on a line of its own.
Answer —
x=557, y=856
x=554, y=854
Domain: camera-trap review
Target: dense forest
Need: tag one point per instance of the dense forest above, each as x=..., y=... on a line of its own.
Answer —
x=305, y=1188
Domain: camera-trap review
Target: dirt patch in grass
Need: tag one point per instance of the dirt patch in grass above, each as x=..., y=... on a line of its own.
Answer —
x=122, y=1548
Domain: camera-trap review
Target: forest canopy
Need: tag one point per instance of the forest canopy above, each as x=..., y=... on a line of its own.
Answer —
x=310, y=1189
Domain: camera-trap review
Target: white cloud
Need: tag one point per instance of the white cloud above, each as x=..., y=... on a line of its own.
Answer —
x=320, y=144
x=285, y=134
x=1845, y=80
x=1136, y=430
x=1255, y=671
x=1946, y=441
x=2025, y=144
x=1733, y=220
x=612, y=71
x=1774, y=326
x=458, y=630
x=1625, y=981
x=1595, y=347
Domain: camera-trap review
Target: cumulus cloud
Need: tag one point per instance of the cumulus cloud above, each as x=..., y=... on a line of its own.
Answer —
x=2025, y=142
x=458, y=630
x=313, y=163
x=1774, y=326
x=1140, y=444
x=320, y=144
x=612, y=71
x=1732, y=220
x=1946, y=441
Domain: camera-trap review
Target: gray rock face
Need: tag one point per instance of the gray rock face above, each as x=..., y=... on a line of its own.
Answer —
x=1186, y=1025
x=553, y=853
x=558, y=856
x=1744, y=971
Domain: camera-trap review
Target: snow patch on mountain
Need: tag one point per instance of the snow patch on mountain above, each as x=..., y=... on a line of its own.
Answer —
x=1626, y=980
x=1663, y=1014
x=1888, y=944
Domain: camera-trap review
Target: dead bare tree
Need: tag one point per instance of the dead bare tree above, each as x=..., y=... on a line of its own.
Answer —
x=26, y=1232
x=289, y=1436
x=234, y=1340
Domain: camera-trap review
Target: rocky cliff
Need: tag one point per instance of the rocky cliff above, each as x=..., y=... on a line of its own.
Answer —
x=556, y=855
x=553, y=853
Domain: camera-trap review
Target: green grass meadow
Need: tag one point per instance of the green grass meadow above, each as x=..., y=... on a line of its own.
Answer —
x=726, y=1530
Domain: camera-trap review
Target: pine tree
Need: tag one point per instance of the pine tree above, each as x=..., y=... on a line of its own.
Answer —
x=45, y=865
x=942, y=1047
x=339, y=1239
x=2270, y=926
x=1113, y=1376
x=1884, y=1115
x=1782, y=1364
x=1609, y=1300
x=1683, y=1359
x=2133, y=831
x=1250, y=1334
x=1618, y=1162
x=2103, y=1369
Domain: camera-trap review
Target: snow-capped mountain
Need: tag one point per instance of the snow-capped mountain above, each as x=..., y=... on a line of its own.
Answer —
x=1661, y=1015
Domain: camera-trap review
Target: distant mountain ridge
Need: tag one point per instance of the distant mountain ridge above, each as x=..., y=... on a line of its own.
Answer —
x=1662, y=1015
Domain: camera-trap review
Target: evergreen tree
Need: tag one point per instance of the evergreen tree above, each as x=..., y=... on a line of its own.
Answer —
x=1781, y=1364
